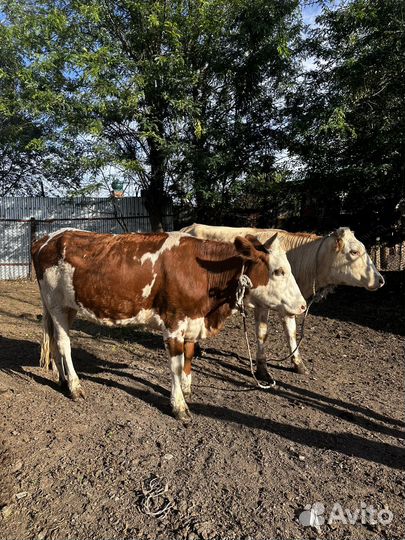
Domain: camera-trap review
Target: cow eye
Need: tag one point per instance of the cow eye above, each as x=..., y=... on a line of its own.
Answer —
x=354, y=253
x=278, y=272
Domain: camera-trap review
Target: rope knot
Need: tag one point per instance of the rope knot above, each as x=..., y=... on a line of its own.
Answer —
x=244, y=282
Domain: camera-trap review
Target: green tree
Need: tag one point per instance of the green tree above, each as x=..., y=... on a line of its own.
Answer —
x=243, y=68
x=348, y=114
x=180, y=95
x=29, y=161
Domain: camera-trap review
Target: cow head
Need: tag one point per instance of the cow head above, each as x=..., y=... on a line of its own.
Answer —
x=351, y=264
x=274, y=285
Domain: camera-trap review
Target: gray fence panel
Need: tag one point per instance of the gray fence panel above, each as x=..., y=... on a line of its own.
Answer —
x=97, y=215
x=15, y=250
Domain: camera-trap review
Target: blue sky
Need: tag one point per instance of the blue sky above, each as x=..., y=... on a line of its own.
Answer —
x=309, y=13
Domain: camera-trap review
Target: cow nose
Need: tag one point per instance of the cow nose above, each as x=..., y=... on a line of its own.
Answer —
x=381, y=281
x=303, y=307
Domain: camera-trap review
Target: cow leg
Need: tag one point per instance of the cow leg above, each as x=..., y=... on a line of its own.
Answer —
x=261, y=315
x=189, y=348
x=61, y=328
x=290, y=329
x=57, y=364
x=175, y=348
x=58, y=369
x=54, y=355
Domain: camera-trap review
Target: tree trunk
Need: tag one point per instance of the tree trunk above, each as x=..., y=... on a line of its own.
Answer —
x=154, y=196
x=154, y=210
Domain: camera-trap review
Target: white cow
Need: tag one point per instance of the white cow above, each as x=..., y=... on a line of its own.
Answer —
x=316, y=262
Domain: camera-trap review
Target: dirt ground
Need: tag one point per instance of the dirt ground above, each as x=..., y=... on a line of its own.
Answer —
x=250, y=462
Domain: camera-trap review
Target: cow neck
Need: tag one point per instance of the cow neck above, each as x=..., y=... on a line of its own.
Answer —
x=323, y=262
x=307, y=256
x=226, y=281
x=222, y=285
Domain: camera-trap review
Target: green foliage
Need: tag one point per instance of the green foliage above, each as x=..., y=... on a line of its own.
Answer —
x=348, y=114
x=179, y=95
x=195, y=99
x=31, y=161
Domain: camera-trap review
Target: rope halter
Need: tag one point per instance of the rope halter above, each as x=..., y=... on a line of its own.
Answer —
x=244, y=283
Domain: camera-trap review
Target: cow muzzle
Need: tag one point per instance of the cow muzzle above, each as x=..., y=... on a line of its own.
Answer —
x=296, y=309
x=380, y=282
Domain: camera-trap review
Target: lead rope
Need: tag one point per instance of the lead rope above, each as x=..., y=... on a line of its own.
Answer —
x=244, y=283
x=272, y=384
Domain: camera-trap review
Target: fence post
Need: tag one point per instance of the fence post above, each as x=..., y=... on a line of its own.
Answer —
x=33, y=230
x=378, y=254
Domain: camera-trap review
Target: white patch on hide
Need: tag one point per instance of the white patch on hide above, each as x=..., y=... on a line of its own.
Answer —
x=171, y=241
x=57, y=286
x=196, y=329
x=145, y=317
x=148, y=288
x=188, y=328
x=56, y=233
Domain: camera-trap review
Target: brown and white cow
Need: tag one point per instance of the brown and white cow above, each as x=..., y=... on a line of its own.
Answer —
x=337, y=259
x=172, y=281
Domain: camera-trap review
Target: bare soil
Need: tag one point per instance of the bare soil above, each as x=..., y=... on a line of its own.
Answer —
x=251, y=460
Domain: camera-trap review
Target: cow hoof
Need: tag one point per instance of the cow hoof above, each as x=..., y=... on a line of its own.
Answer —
x=300, y=369
x=183, y=416
x=77, y=394
x=264, y=375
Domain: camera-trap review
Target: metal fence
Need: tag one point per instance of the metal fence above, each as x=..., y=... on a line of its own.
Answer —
x=389, y=258
x=25, y=219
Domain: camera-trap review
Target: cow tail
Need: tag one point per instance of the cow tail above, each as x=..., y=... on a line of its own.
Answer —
x=48, y=344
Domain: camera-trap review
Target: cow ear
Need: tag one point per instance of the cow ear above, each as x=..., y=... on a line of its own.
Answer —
x=255, y=241
x=270, y=241
x=245, y=248
x=338, y=236
x=339, y=245
x=264, y=248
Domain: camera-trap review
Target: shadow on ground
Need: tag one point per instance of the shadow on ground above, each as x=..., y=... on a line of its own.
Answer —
x=17, y=355
x=371, y=309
